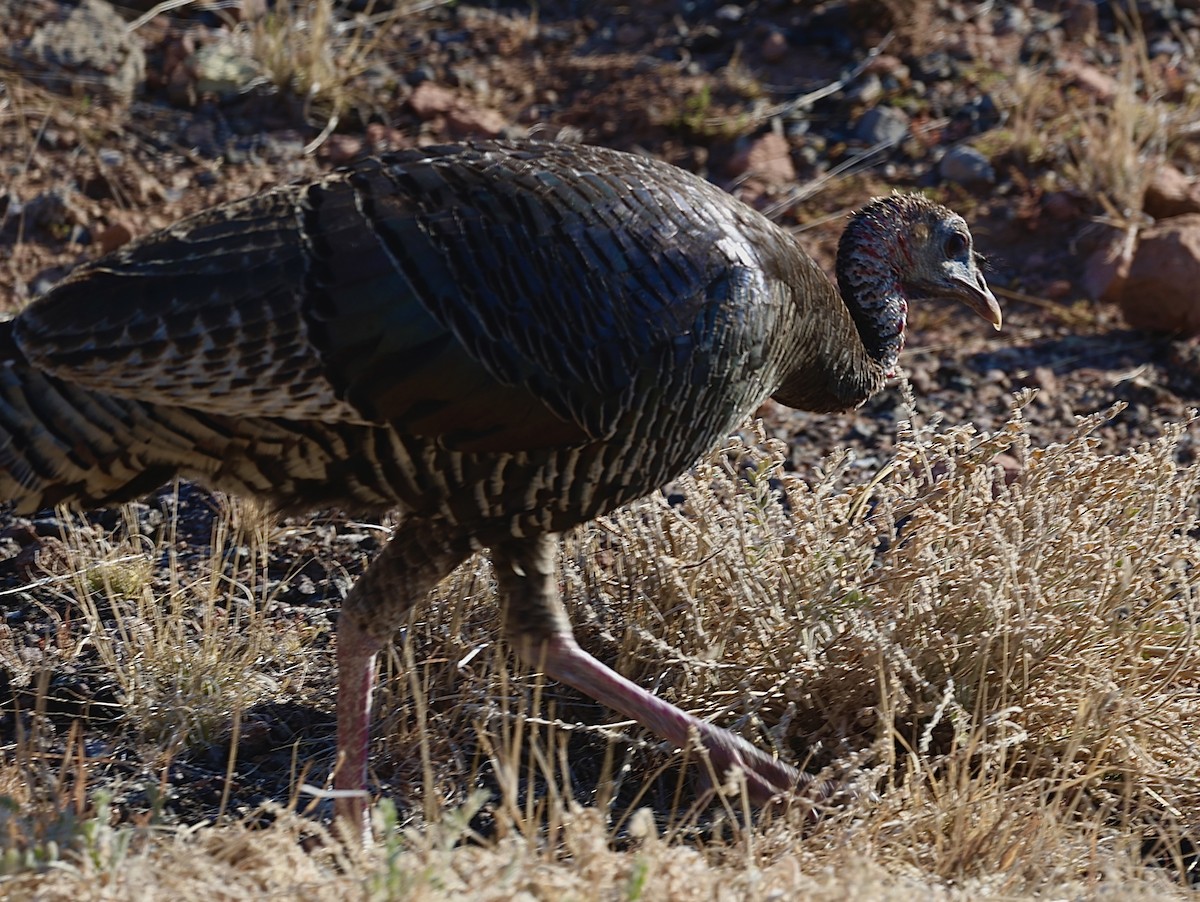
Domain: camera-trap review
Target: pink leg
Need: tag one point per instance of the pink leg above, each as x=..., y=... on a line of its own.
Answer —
x=419, y=555
x=536, y=625
x=356, y=654
x=766, y=777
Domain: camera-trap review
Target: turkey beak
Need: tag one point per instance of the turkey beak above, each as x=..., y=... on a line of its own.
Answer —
x=973, y=291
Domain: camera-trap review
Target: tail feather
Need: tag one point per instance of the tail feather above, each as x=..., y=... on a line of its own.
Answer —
x=61, y=443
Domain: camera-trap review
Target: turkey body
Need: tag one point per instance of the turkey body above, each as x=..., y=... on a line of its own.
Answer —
x=500, y=341
x=511, y=341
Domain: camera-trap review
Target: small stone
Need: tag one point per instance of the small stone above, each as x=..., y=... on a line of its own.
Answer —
x=1045, y=380
x=89, y=50
x=114, y=236
x=1057, y=289
x=475, y=122
x=768, y=157
x=222, y=68
x=882, y=125
x=1012, y=20
x=885, y=65
x=774, y=47
x=379, y=137
x=428, y=100
x=1170, y=193
x=343, y=148
x=965, y=165
x=867, y=90
x=1091, y=80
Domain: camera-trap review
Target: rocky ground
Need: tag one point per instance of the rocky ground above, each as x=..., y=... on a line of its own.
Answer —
x=113, y=125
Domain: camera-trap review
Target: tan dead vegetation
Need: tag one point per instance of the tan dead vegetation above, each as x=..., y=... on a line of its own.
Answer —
x=1004, y=668
x=1007, y=671
x=1107, y=132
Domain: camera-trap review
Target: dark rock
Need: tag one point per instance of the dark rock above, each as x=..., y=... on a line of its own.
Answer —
x=965, y=165
x=882, y=125
x=774, y=47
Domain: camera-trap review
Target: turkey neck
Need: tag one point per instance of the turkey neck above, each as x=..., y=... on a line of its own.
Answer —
x=848, y=343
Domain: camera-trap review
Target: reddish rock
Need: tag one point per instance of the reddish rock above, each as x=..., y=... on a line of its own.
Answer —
x=462, y=119
x=1107, y=269
x=475, y=122
x=1009, y=465
x=382, y=138
x=113, y=237
x=774, y=47
x=342, y=148
x=1058, y=289
x=768, y=157
x=428, y=100
x=1170, y=193
x=1160, y=291
x=1091, y=80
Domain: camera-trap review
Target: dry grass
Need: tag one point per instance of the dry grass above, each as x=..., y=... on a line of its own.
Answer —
x=1006, y=670
x=316, y=54
x=189, y=651
x=308, y=51
x=1009, y=665
x=1102, y=142
x=1119, y=142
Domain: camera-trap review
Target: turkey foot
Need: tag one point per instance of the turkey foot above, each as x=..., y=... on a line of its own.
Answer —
x=766, y=777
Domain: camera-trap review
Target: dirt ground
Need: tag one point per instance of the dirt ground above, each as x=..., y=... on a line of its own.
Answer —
x=701, y=84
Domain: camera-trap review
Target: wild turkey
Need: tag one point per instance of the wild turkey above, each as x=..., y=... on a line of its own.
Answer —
x=500, y=340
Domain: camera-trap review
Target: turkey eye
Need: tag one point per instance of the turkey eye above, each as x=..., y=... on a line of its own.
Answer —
x=956, y=245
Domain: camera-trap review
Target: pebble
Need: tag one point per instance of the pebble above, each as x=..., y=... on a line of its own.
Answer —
x=419, y=75
x=774, y=47
x=965, y=165
x=1170, y=193
x=882, y=125
x=114, y=236
x=222, y=69
x=866, y=90
x=1106, y=269
x=429, y=100
x=767, y=157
